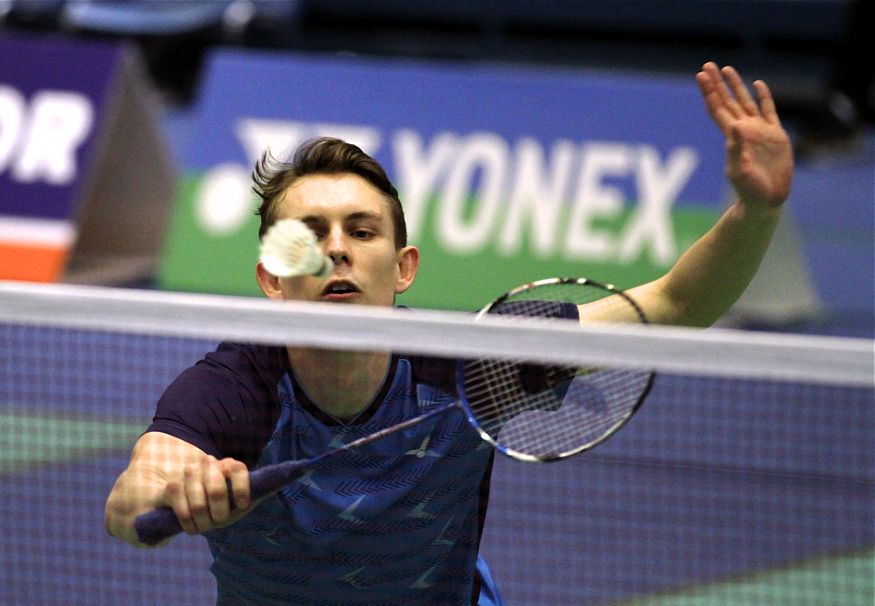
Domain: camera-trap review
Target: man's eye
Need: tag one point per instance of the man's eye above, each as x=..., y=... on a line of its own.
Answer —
x=362, y=234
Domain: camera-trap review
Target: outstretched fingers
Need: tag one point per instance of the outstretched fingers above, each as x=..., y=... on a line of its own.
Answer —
x=719, y=103
x=728, y=99
x=767, y=103
x=739, y=90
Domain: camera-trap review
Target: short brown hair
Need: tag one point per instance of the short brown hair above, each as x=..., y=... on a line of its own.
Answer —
x=325, y=155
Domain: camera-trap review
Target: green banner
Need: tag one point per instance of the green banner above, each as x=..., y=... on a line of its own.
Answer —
x=210, y=253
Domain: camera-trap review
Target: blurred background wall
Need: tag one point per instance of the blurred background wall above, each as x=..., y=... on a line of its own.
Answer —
x=170, y=83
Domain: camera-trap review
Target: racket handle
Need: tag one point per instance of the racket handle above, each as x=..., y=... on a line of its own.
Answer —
x=271, y=478
x=161, y=523
x=154, y=526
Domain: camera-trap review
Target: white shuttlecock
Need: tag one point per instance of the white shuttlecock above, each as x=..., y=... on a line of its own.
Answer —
x=289, y=249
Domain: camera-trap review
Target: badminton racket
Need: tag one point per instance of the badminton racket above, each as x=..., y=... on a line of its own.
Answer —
x=529, y=411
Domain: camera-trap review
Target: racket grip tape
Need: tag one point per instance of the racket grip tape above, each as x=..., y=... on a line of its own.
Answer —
x=161, y=523
x=154, y=526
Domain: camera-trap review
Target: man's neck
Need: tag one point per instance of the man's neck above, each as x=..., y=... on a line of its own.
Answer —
x=342, y=383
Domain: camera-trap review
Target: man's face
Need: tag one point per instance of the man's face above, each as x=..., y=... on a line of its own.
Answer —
x=353, y=225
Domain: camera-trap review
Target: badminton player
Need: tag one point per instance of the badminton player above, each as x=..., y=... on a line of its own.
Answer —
x=400, y=521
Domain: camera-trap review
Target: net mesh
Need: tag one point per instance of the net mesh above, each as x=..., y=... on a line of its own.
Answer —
x=721, y=490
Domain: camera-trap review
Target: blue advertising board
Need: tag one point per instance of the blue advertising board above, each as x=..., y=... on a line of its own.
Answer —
x=532, y=172
x=54, y=94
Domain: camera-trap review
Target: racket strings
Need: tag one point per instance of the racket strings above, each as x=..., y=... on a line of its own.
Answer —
x=549, y=411
x=554, y=420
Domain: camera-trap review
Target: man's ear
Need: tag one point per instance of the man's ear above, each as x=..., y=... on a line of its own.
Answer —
x=269, y=283
x=408, y=264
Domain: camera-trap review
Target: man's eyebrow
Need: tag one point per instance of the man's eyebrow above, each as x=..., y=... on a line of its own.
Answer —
x=362, y=215
x=311, y=219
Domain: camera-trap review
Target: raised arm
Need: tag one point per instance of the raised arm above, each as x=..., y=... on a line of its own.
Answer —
x=713, y=273
x=167, y=471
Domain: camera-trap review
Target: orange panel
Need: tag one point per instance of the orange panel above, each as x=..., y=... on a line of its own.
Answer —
x=32, y=263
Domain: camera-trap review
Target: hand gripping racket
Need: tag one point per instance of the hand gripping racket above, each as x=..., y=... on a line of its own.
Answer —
x=529, y=411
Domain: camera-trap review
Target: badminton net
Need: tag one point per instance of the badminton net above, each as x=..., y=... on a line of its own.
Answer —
x=747, y=477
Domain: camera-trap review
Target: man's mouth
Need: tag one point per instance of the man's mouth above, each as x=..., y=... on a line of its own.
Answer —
x=340, y=290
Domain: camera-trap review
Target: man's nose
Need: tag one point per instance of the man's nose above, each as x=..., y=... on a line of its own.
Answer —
x=336, y=246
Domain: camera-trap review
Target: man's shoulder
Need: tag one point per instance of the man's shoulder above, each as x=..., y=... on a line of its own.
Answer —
x=226, y=403
x=234, y=364
x=233, y=356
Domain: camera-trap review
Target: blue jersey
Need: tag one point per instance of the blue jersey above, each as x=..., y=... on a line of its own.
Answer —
x=397, y=521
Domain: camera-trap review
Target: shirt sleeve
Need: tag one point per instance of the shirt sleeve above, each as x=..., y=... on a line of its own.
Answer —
x=226, y=405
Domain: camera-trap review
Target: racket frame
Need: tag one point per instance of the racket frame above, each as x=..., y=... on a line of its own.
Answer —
x=610, y=290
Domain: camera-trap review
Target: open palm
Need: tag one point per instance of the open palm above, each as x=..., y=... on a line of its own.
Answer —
x=759, y=157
